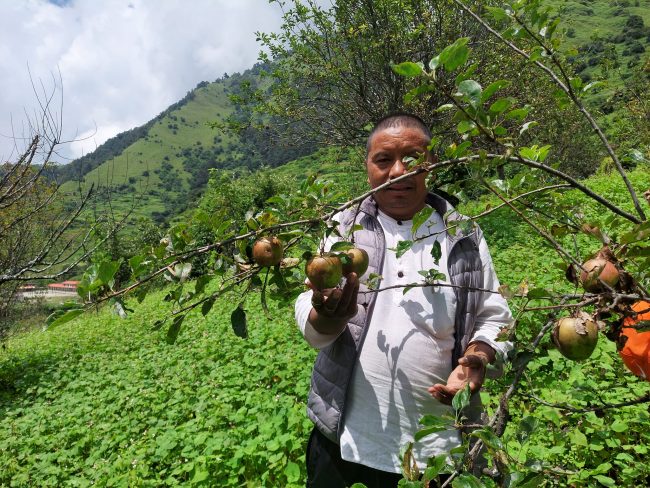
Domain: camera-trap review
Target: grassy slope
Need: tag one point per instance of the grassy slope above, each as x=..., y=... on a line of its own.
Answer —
x=209, y=104
x=602, y=19
x=109, y=401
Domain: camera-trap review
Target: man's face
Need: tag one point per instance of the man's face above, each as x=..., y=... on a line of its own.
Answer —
x=385, y=161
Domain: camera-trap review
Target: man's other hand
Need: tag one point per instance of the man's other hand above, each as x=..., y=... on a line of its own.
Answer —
x=470, y=370
x=332, y=308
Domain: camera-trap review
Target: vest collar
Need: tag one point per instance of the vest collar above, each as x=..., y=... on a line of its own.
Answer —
x=439, y=204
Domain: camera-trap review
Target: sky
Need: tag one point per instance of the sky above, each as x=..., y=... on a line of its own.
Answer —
x=115, y=64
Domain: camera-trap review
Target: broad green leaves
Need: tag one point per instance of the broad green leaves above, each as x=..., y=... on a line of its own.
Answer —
x=453, y=56
x=60, y=317
x=408, y=69
x=471, y=90
x=461, y=399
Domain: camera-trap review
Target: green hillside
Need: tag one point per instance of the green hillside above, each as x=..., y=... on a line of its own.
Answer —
x=167, y=166
x=162, y=166
x=611, y=39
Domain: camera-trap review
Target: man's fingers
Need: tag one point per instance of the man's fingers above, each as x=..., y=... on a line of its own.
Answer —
x=317, y=300
x=348, y=294
x=472, y=361
x=442, y=393
x=332, y=301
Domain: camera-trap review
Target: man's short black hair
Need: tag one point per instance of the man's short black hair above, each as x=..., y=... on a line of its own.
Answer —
x=398, y=119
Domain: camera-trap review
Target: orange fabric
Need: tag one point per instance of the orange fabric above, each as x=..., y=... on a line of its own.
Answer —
x=636, y=351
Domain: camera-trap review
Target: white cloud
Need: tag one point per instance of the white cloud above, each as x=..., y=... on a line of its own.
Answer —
x=121, y=61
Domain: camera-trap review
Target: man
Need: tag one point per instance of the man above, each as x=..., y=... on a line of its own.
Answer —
x=387, y=358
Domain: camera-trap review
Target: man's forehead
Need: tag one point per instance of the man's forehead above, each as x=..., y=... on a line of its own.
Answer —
x=400, y=136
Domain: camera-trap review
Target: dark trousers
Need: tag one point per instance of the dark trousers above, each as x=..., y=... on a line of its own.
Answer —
x=326, y=469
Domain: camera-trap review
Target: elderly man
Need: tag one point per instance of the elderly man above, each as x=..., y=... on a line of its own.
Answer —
x=388, y=358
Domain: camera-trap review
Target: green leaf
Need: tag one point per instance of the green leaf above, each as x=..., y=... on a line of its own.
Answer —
x=408, y=287
x=292, y=472
x=106, y=272
x=527, y=426
x=430, y=420
x=444, y=107
x=537, y=293
x=498, y=14
x=341, y=246
x=489, y=438
x=420, y=218
x=174, y=329
x=60, y=317
x=472, y=90
x=136, y=263
x=518, y=113
x=467, y=481
x=465, y=126
x=435, y=465
x=492, y=88
x=461, y=399
x=501, y=105
x=408, y=69
x=436, y=252
x=402, y=247
x=578, y=438
x=605, y=480
x=639, y=233
x=200, y=475
x=201, y=283
x=417, y=91
x=619, y=426
x=238, y=321
x=420, y=434
x=455, y=55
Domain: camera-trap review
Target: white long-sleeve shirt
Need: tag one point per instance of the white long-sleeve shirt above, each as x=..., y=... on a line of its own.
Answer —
x=407, y=349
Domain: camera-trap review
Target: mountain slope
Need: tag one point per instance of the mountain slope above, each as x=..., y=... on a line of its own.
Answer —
x=164, y=164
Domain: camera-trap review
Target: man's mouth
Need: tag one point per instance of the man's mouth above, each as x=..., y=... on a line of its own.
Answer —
x=400, y=188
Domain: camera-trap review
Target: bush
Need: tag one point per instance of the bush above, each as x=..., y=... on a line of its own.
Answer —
x=634, y=22
x=637, y=48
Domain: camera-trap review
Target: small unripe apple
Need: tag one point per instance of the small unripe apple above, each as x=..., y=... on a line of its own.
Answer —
x=267, y=251
x=324, y=271
x=357, y=263
x=595, y=270
x=575, y=337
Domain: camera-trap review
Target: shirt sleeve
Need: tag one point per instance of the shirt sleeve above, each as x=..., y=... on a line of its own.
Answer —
x=493, y=312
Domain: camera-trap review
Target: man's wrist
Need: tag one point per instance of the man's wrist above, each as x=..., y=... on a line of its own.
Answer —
x=482, y=350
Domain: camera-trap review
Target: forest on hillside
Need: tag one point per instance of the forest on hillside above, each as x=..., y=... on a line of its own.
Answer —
x=178, y=362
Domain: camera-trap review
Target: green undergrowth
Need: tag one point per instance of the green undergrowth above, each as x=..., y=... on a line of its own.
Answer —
x=599, y=447
x=106, y=401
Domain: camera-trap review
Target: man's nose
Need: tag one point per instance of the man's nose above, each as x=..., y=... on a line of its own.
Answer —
x=398, y=168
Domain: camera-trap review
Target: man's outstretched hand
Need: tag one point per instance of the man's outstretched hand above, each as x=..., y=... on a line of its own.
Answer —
x=470, y=370
x=333, y=308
